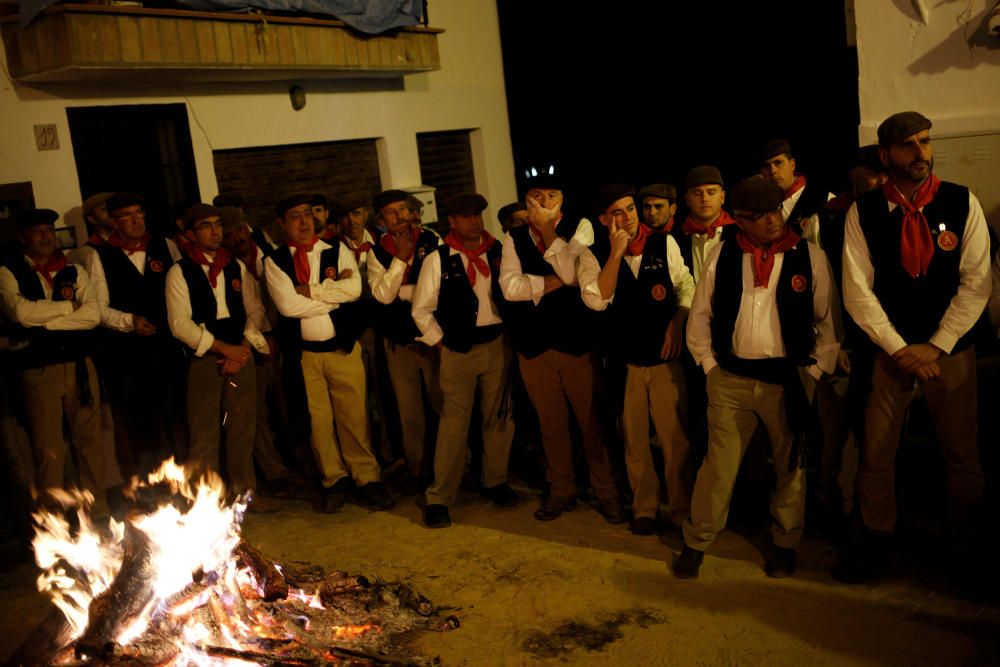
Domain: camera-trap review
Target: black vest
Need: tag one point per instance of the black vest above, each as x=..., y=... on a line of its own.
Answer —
x=203, y=305
x=811, y=201
x=141, y=294
x=47, y=347
x=560, y=321
x=396, y=320
x=794, y=296
x=458, y=305
x=348, y=318
x=258, y=237
x=915, y=305
x=643, y=306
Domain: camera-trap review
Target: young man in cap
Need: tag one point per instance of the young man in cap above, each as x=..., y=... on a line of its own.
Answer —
x=555, y=335
x=706, y=223
x=413, y=366
x=95, y=214
x=512, y=215
x=639, y=277
x=215, y=311
x=916, y=280
x=140, y=357
x=257, y=234
x=313, y=284
x=52, y=306
x=458, y=306
x=764, y=327
x=802, y=201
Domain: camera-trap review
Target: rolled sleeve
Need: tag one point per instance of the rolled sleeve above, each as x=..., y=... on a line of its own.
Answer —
x=179, y=314
x=425, y=301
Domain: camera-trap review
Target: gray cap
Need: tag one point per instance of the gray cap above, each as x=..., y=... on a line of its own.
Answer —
x=756, y=195
x=702, y=175
x=661, y=190
x=900, y=126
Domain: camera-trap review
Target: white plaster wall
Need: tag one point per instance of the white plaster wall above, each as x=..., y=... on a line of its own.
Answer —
x=466, y=93
x=932, y=56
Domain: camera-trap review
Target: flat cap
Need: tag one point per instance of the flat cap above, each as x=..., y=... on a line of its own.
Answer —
x=36, y=216
x=319, y=200
x=122, y=200
x=291, y=201
x=867, y=156
x=703, y=175
x=773, y=149
x=344, y=205
x=503, y=215
x=900, y=126
x=93, y=201
x=200, y=211
x=661, y=190
x=387, y=197
x=467, y=203
x=756, y=195
x=611, y=193
x=232, y=218
x=228, y=199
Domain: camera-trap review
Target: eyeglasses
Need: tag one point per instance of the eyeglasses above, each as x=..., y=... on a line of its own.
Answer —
x=756, y=217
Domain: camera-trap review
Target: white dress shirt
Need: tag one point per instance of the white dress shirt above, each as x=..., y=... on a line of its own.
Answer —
x=561, y=255
x=386, y=283
x=111, y=318
x=48, y=314
x=325, y=294
x=195, y=335
x=965, y=308
x=757, y=334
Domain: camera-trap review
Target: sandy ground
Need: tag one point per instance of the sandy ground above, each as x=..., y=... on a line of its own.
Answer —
x=579, y=591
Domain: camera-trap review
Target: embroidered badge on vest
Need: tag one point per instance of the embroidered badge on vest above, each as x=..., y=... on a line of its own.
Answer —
x=659, y=292
x=67, y=292
x=156, y=266
x=947, y=240
x=421, y=252
x=237, y=285
x=799, y=283
x=330, y=273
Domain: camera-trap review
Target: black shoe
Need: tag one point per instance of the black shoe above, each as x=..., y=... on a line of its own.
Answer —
x=501, y=495
x=644, y=525
x=335, y=496
x=374, y=496
x=437, y=516
x=553, y=507
x=686, y=565
x=781, y=563
x=612, y=510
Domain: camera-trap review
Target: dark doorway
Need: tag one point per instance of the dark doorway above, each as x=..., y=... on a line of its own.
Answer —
x=143, y=148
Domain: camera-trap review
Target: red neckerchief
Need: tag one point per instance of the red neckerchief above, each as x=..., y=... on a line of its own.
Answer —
x=388, y=242
x=692, y=226
x=841, y=203
x=797, y=184
x=301, y=259
x=215, y=266
x=53, y=265
x=360, y=250
x=540, y=243
x=667, y=228
x=119, y=242
x=182, y=242
x=916, y=247
x=636, y=245
x=474, y=256
x=763, y=258
x=96, y=240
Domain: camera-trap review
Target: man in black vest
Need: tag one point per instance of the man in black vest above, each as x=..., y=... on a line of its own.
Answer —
x=413, y=366
x=802, y=200
x=639, y=277
x=706, y=223
x=257, y=234
x=458, y=307
x=764, y=327
x=313, y=285
x=555, y=335
x=916, y=280
x=215, y=311
x=52, y=305
x=128, y=274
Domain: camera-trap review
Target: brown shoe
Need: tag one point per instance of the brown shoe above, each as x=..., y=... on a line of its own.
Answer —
x=553, y=507
x=612, y=510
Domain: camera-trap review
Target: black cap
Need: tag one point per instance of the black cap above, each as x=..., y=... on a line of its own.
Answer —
x=773, y=149
x=867, y=156
x=122, y=200
x=467, y=203
x=319, y=200
x=661, y=190
x=506, y=211
x=703, y=175
x=200, y=211
x=387, y=197
x=292, y=201
x=900, y=126
x=756, y=195
x=546, y=176
x=35, y=217
x=611, y=193
x=344, y=205
x=228, y=199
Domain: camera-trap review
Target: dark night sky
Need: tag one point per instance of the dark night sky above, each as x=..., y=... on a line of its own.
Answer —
x=642, y=91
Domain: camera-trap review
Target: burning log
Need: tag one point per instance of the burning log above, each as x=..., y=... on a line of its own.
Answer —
x=271, y=581
x=340, y=583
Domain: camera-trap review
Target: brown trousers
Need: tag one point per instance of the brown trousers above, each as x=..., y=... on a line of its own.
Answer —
x=413, y=369
x=264, y=451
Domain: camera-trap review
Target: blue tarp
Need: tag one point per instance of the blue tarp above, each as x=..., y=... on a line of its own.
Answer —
x=369, y=16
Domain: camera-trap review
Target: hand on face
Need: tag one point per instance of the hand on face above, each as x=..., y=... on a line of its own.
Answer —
x=619, y=239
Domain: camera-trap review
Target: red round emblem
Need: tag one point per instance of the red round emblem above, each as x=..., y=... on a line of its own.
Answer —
x=659, y=292
x=799, y=283
x=237, y=285
x=156, y=266
x=947, y=240
x=330, y=273
x=67, y=293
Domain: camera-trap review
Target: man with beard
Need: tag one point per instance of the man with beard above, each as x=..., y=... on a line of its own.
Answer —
x=916, y=280
x=706, y=223
x=638, y=275
x=802, y=201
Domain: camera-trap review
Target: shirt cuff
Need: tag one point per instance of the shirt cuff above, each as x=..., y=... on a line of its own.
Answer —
x=204, y=343
x=708, y=363
x=406, y=292
x=815, y=371
x=537, y=287
x=256, y=339
x=557, y=247
x=943, y=340
x=432, y=337
x=894, y=344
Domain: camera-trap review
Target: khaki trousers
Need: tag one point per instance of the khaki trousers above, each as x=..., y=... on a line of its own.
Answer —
x=657, y=392
x=51, y=393
x=483, y=367
x=735, y=403
x=341, y=439
x=952, y=403
x=216, y=404
x=551, y=379
x=412, y=369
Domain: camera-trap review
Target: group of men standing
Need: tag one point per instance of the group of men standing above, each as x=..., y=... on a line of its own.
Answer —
x=726, y=321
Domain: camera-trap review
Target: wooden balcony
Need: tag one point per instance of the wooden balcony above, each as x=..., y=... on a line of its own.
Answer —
x=104, y=43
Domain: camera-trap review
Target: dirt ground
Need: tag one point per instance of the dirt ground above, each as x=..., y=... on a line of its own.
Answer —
x=579, y=591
